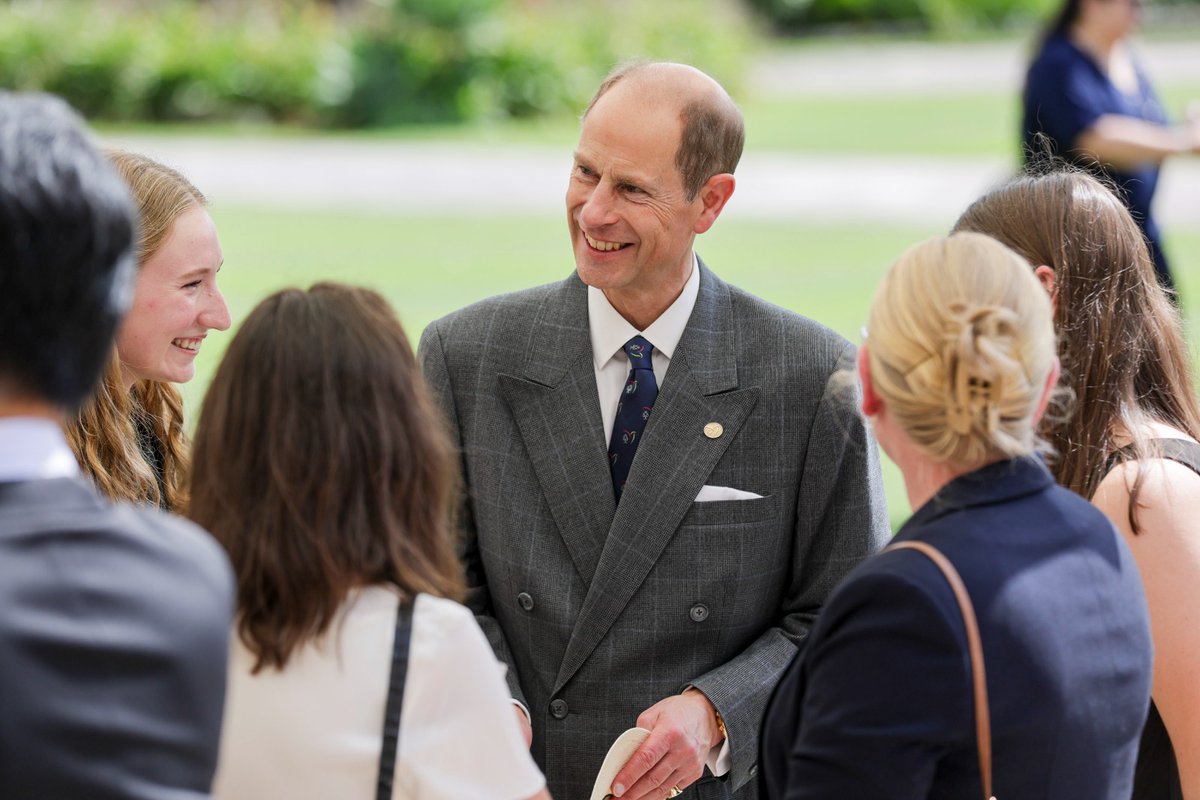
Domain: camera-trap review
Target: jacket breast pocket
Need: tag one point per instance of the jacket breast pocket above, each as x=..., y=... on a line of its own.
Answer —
x=733, y=512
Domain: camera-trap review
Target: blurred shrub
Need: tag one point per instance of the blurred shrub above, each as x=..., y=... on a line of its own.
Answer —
x=940, y=16
x=383, y=62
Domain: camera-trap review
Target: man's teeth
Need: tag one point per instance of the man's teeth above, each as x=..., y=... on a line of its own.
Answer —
x=187, y=344
x=603, y=246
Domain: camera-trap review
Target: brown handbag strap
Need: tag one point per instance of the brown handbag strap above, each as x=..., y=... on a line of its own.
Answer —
x=983, y=722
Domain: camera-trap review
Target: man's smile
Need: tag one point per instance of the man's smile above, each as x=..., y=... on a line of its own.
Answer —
x=603, y=246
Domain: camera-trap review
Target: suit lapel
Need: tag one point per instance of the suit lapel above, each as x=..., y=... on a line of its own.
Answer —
x=673, y=462
x=557, y=412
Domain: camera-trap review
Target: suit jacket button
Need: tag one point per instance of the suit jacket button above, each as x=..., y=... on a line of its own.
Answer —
x=753, y=770
x=558, y=709
x=699, y=612
x=525, y=600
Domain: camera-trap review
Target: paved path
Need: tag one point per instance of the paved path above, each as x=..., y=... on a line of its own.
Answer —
x=403, y=177
x=410, y=177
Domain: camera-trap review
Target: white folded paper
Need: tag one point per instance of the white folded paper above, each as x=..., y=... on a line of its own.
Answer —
x=618, y=754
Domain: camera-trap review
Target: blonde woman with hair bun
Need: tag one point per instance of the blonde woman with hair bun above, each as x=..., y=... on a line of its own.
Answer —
x=956, y=372
x=129, y=437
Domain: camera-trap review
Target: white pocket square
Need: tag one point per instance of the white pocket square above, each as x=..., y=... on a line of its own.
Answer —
x=710, y=493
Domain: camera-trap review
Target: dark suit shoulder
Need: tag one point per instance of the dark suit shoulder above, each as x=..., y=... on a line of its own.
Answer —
x=68, y=522
x=115, y=624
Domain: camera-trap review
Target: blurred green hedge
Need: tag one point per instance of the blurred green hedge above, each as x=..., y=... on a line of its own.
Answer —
x=380, y=63
x=939, y=16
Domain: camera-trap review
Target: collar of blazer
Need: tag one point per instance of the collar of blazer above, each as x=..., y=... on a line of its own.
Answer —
x=556, y=410
x=994, y=483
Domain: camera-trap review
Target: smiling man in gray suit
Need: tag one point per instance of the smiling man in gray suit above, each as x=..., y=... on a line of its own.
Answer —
x=670, y=589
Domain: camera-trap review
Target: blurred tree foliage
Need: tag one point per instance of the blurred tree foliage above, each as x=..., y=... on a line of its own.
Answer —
x=937, y=16
x=350, y=63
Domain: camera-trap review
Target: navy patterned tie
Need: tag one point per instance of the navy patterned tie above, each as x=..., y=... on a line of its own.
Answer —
x=633, y=409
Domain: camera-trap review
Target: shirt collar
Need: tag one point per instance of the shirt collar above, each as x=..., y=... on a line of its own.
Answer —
x=610, y=331
x=33, y=448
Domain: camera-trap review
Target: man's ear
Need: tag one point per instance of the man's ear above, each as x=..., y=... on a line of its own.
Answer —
x=713, y=195
x=1049, y=283
x=870, y=401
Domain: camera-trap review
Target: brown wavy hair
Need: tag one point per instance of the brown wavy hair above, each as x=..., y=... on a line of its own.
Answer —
x=105, y=434
x=1121, y=339
x=321, y=465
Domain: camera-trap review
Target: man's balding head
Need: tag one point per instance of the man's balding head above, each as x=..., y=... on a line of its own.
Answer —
x=712, y=132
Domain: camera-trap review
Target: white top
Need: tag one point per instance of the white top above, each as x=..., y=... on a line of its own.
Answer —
x=34, y=448
x=610, y=331
x=314, y=731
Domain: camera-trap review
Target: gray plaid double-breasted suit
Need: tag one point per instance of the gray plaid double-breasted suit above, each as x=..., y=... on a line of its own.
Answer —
x=600, y=610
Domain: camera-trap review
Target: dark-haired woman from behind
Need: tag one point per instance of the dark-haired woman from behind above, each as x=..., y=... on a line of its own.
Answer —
x=322, y=467
x=1131, y=439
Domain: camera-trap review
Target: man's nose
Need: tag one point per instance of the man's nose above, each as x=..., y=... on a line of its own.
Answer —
x=599, y=209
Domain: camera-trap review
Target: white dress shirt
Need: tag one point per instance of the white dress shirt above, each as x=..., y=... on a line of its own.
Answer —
x=34, y=448
x=610, y=331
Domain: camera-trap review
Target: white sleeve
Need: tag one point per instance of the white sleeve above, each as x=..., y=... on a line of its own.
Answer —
x=459, y=737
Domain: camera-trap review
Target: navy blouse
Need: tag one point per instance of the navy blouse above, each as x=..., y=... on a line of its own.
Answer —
x=1065, y=93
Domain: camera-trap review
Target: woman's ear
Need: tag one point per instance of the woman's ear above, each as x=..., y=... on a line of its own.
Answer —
x=870, y=401
x=1047, y=390
x=1049, y=282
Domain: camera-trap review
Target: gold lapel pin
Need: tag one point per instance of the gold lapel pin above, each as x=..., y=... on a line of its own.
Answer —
x=713, y=430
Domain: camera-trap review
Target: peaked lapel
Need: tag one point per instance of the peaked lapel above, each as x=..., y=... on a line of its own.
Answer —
x=673, y=462
x=557, y=412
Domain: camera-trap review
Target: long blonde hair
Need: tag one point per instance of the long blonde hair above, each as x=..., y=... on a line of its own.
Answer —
x=105, y=435
x=961, y=346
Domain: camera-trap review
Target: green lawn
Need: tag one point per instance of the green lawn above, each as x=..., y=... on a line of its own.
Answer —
x=430, y=265
x=978, y=124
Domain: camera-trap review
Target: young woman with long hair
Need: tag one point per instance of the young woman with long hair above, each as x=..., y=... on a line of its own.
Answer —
x=1129, y=439
x=129, y=436
x=324, y=469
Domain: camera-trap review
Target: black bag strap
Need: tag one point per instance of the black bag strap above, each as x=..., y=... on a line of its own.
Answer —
x=395, y=699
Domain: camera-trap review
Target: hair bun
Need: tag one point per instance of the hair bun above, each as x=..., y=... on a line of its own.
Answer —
x=977, y=354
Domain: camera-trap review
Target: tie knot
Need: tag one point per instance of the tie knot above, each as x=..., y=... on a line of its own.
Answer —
x=639, y=350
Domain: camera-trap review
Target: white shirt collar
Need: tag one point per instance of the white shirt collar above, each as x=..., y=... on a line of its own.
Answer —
x=610, y=331
x=34, y=448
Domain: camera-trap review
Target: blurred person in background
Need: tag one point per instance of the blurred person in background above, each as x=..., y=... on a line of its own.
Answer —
x=1087, y=99
x=130, y=437
x=1129, y=440
x=323, y=468
x=956, y=370
x=114, y=620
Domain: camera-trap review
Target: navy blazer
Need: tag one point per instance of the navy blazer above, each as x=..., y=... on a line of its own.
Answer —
x=114, y=634
x=879, y=703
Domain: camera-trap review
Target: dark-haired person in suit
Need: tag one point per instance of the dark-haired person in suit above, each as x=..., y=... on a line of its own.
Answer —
x=114, y=621
x=661, y=488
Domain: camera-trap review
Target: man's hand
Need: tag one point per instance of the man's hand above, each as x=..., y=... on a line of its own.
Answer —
x=523, y=721
x=683, y=729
